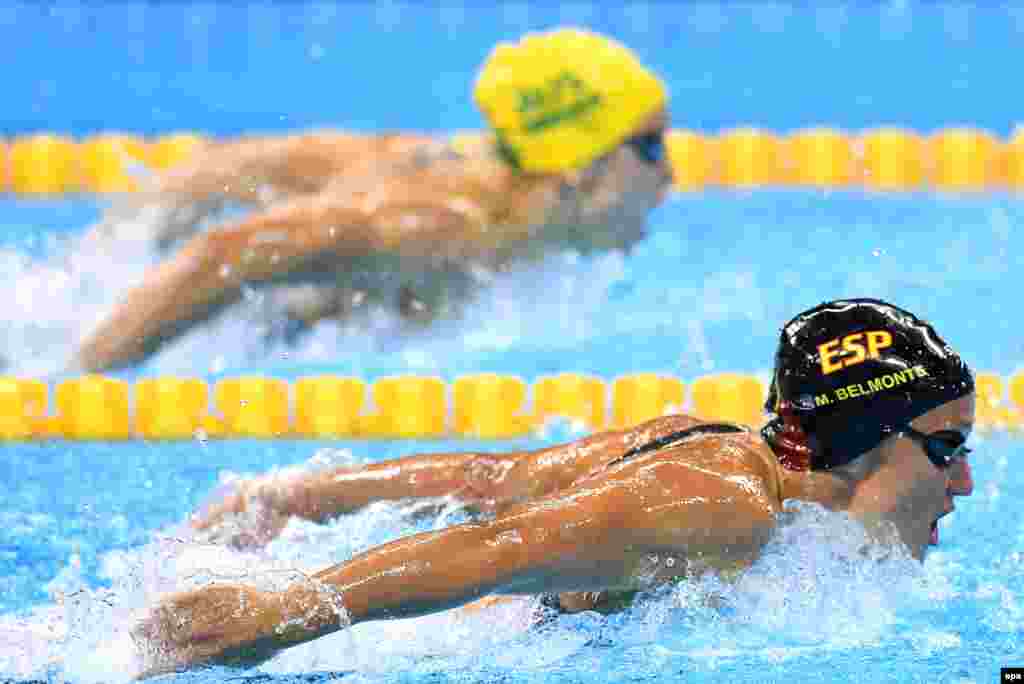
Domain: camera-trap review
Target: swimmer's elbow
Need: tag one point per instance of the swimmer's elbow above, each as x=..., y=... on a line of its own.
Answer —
x=426, y=229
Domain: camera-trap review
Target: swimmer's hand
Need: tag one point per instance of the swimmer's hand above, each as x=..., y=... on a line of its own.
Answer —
x=250, y=514
x=227, y=625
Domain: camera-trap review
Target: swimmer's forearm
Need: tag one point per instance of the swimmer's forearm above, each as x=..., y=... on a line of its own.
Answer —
x=223, y=624
x=211, y=270
x=178, y=291
x=546, y=547
x=541, y=550
x=489, y=480
x=470, y=477
x=417, y=575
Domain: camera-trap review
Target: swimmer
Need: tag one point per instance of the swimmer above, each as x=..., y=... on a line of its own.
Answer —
x=871, y=408
x=574, y=160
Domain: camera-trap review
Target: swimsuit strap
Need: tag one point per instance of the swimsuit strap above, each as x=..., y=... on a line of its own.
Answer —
x=679, y=436
x=613, y=601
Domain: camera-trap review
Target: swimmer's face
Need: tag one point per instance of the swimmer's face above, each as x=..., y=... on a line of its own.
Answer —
x=908, y=490
x=625, y=185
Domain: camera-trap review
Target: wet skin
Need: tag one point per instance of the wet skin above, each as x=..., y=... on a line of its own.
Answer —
x=340, y=222
x=907, y=490
x=568, y=520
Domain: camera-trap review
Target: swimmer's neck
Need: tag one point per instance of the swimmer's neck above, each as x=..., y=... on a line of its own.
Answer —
x=831, y=489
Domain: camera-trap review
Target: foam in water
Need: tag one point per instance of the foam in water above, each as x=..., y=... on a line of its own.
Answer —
x=557, y=303
x=821, y=584
x=57, y=300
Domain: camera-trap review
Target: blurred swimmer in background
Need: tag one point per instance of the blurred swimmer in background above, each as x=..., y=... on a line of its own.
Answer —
x=872, y=412
x=574, y=159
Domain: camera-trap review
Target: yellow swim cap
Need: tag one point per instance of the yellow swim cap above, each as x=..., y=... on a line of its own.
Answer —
x=559, y=100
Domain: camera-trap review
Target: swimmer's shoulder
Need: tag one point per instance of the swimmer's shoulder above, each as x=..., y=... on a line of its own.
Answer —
x=730, y=449
x=662, y=432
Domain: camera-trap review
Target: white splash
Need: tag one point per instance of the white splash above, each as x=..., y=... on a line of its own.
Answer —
x=820, y=585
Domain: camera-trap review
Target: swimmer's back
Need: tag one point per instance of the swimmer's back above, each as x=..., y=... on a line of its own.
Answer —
x=727, y=452
x=727, y=449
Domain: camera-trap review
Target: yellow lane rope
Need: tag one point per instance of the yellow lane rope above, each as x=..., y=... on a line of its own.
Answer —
x=482, y=406
x=890, y=159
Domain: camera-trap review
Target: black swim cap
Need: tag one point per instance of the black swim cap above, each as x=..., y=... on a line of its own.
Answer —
x=851, y=372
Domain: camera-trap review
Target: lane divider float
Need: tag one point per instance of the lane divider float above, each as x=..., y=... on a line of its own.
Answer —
x=480, y=406
x=885, y=159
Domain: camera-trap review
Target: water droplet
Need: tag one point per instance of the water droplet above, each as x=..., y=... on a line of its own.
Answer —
x=252, y=295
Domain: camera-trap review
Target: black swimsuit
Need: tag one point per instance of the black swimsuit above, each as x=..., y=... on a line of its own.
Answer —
x=674, y=438
x=613, y=601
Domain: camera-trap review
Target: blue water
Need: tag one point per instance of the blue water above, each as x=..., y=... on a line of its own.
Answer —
x=706, y=291
x=233, y=67
x=97, y=524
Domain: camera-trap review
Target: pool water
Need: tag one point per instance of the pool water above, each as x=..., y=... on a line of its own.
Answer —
x=91, y=532
x=99, y=523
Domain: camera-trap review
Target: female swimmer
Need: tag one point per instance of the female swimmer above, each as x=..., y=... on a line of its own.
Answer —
x=872, y=412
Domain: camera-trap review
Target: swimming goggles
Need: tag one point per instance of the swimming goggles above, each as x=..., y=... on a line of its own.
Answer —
x=944, y=448
x=650, y=147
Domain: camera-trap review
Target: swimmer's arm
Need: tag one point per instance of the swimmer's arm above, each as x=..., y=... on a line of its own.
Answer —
x=485, y=480
x=255, y=169
x=246, y=169
x=210, y=270
x=586, y=539
x=474, y=478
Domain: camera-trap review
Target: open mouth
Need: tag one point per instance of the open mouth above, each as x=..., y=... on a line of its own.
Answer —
x=934, y=540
